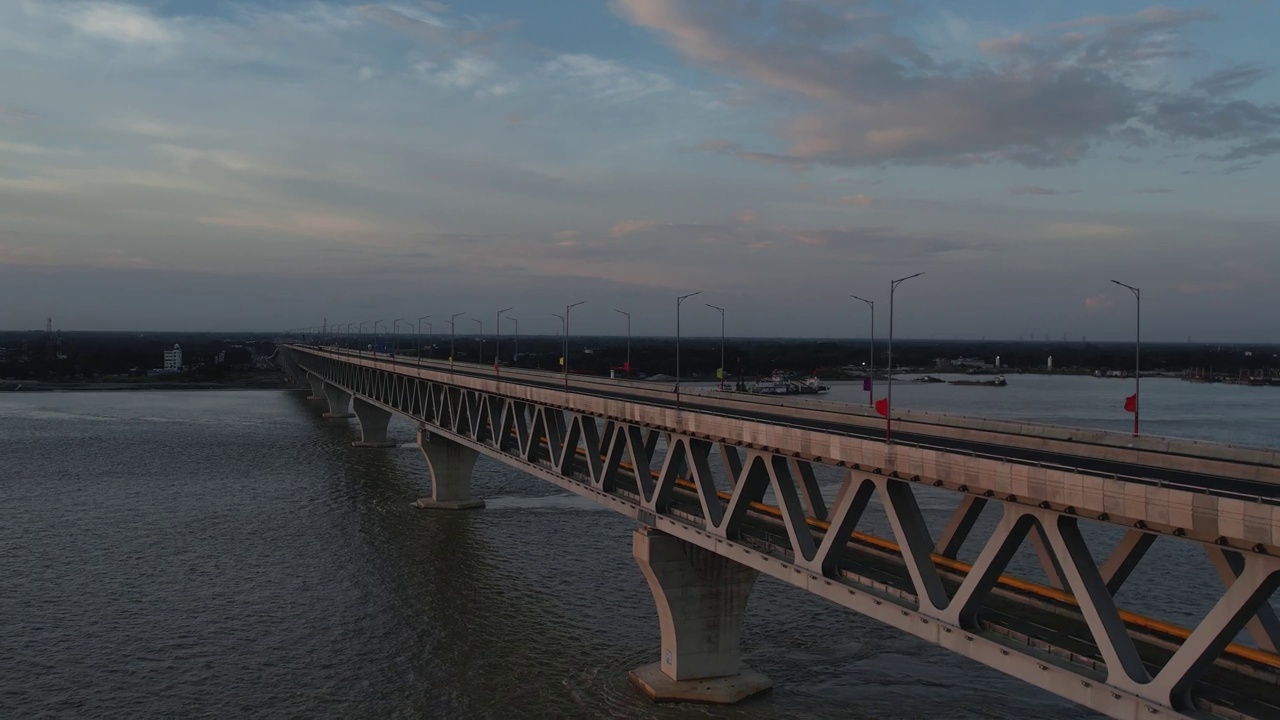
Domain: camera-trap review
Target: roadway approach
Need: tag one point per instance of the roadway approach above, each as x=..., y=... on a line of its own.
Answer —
x=728, y=486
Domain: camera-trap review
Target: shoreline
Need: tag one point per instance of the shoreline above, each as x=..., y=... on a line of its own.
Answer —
x=39, y=387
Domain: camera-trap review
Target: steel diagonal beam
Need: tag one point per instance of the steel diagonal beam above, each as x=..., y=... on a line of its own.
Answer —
x=1124, y=666
x=992, y=561
x=1125, y=558
x=1263, y=627
x=537, y=436
x=750, y=488
x=607, y=480
x=569, y=447
x=1256, y=582
x=851, y=503
x=914, y=542
x=784, y=489
x=1048, y=563
x=700, y=470
x=814, y=504
x=673, y=466
x=732, y=462
x=638, y=448
x=590, y=433
x=959, y=526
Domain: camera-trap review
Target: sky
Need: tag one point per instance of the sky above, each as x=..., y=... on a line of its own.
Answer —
x=255, y=165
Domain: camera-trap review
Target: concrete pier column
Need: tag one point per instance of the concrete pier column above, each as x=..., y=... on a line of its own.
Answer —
x=373, y=424
x=450, y=463
x=701, y=599
x=339, y=402
x=317, y=387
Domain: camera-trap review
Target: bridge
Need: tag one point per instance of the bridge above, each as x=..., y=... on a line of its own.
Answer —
x=728, y=486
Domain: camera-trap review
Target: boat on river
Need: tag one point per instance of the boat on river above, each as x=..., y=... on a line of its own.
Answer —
x=782, y=383
x=997, y=381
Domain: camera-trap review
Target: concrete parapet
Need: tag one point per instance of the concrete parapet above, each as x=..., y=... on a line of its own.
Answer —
x=450, y=463
x=373, y=424
x=701, y=599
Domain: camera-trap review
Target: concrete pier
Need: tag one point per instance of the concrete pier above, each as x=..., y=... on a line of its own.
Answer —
x=450, y=463
x=701, y=599
x=373, y=424
x=339, y=402
x=317, y=387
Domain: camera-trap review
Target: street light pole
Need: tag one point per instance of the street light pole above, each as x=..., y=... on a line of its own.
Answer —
x=395, y=335
x=375, y=337
x=452, y=335
x=360, y=347
x=679, y=300
x=871, y=372
x=497, y=340
x=716, y=307
x=480, y=352
x=516, y=336
x=1137, y=353
x=561, y=337
x=567, y=308
x=888, y=403
x=424, y=317
x=626, y=366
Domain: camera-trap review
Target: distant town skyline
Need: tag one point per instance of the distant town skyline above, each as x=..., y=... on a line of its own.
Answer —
x=211, y=165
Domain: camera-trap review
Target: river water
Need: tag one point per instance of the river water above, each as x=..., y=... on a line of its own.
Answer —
x=228, y=554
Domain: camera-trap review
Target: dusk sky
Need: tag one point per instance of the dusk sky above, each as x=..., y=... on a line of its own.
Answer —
x=200, y=164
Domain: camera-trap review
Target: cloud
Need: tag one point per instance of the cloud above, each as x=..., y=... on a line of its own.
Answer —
x=566, y=235
x=305, y=224
x=1151, y=191
x=720, y=146
x=605, y=79
x=861, y=201
x=1098, y=303
x=1032, y=190
x=1088, y=231
x=120, y=23
x=1229, y=81
x=631, y=227
x=873, y=96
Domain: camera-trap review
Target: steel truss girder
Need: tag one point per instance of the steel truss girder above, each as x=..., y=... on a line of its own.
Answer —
x=604, y=459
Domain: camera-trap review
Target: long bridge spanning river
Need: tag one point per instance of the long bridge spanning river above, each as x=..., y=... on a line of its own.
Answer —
x=727, y=486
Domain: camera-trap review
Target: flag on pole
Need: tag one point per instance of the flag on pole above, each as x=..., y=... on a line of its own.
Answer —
x=626, y=366
x=562, y=360
x=1131, y=403
x=719, y=373
x=882, y=406
x=866, y=383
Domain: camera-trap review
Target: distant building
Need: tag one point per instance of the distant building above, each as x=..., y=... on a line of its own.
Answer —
x=173, y=359
x=961, y=362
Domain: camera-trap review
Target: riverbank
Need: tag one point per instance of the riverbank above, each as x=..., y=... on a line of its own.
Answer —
x=237, y=384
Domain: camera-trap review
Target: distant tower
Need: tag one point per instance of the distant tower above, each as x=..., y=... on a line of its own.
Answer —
x=997, y=362
x=1050, y=363
x=50, y=348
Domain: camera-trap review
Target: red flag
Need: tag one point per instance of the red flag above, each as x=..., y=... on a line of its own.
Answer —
x=882, y=406
x=1131, y=403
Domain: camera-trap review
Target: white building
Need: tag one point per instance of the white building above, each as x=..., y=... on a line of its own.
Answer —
x=173, y=359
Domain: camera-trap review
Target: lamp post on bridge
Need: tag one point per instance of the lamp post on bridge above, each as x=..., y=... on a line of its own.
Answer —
x=567, y=309
x=452, y=335
x=871, y=371
x=480, y=352
x=424, y=317
x=721, y=371
x=1137, y=352
x=516, y=336
x=375, y=336
x=395, y=335
x=497, y=341
x=561, y=336
x=888, y=403
x=626, y=366
x=680, y=300
x=360, y=339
